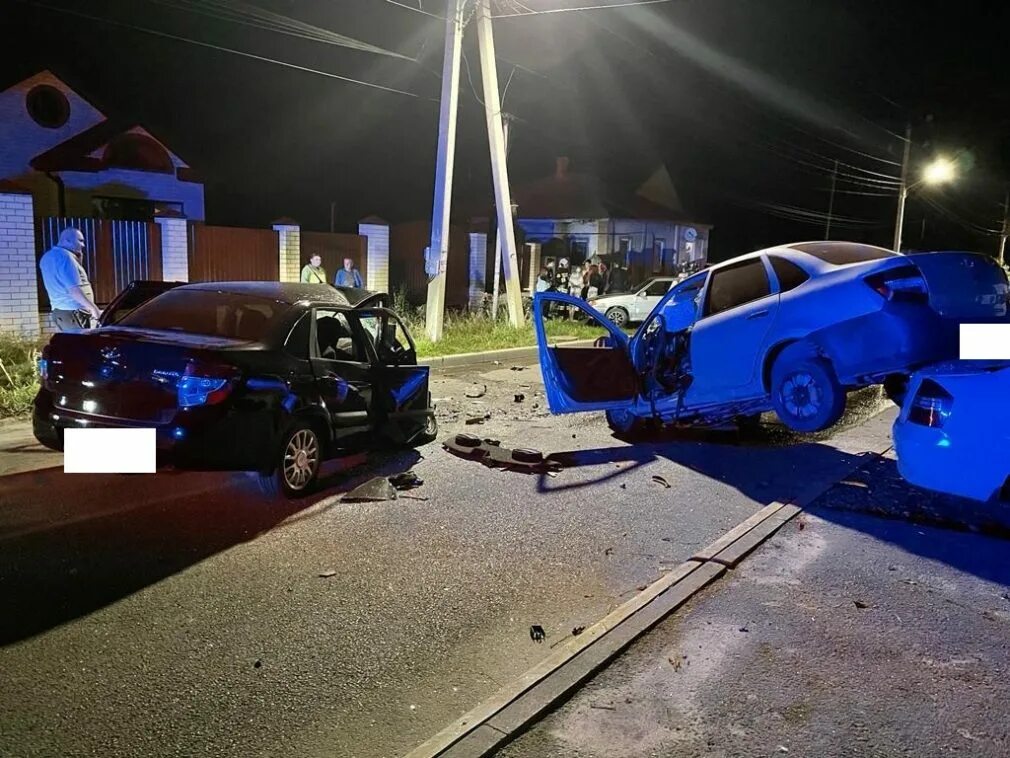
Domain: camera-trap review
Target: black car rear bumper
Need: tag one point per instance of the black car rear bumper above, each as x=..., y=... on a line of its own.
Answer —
x=216, y=440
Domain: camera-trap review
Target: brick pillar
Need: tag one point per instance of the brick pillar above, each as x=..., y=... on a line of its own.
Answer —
x=377, y=267
x=289, y=248
x=478, y=268
x=19, y=295
x=174, y=248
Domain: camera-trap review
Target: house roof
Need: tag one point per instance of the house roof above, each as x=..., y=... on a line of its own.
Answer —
x=575, y=195
x=75, y=154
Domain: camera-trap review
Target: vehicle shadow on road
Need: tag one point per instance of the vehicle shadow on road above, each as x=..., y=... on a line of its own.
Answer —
x=73, y=544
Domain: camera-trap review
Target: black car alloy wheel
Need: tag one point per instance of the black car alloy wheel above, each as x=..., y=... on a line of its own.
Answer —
x=298, y=468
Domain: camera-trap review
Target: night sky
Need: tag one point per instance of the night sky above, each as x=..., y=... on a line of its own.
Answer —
x=748, y=102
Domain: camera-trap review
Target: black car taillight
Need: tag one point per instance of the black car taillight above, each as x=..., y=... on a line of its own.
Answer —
x=931, y=405
x=903, y=284
x=205, y=384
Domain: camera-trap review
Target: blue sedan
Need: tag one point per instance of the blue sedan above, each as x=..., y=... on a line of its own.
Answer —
x=791, y=329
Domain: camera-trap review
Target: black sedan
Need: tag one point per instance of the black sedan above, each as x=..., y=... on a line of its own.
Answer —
x=243, y=376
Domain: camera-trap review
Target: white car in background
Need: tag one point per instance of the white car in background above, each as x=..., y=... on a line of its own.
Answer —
x=623, y=308
x=953, y=432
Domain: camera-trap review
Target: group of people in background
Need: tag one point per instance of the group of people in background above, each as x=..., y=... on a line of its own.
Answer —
x=314, y=273
x=594, y=280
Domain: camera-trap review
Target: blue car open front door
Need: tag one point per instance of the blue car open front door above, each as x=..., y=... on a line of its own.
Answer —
x=579, y=376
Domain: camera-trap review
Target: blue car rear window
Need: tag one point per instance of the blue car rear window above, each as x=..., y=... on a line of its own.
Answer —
x=843, y=253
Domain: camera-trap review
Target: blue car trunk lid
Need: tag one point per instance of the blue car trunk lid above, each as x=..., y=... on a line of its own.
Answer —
x=964, y=286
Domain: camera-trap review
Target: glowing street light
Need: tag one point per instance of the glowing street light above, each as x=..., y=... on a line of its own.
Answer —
x=940, y=171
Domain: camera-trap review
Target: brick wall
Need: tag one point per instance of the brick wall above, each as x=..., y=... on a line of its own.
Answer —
x=19, y=299
x=377, y=270
x=289, y=250
x=174, y=249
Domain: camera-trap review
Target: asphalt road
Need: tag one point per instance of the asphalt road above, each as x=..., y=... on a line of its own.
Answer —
x=846, y=634
x=183, y=614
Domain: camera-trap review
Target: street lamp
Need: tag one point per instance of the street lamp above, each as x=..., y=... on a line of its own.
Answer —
x=939, y=171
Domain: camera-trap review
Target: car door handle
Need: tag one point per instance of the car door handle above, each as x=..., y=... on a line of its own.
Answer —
x=758, y=314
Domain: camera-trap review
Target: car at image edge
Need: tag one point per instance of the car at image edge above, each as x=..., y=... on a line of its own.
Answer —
x=791, y=328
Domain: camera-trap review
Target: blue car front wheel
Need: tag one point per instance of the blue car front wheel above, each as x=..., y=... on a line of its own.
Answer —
x=624, y=423
x=806, y=394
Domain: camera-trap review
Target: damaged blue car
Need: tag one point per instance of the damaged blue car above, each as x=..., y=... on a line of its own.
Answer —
x=792, y=328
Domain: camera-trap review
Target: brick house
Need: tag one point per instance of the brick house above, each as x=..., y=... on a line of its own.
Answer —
x=77, y=162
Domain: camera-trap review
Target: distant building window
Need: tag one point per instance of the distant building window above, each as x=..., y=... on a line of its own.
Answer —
x=47, y=106
x=135, y=151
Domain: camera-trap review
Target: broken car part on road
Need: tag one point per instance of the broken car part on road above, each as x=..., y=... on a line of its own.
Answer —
x=493, y=455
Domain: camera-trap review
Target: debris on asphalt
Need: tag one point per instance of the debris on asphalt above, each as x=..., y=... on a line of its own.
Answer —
x=257, y=664
x=520, y=397
x=744, y=629
x=413, y=707
x=477, y=419
x=373, y=491
x=577, y=630
x=408, y=480
x=602, y=707
x=675, y=662
x=327, y=574
x=497, y=363
x=493, y=442
x=1005, y=596
x=536, y=405
x=537, y=633
x=860, y=604
x=609, y=551
x=660, y=480
x=624, y=486
x=518, y=368
x=475, y=392
x=493, y=455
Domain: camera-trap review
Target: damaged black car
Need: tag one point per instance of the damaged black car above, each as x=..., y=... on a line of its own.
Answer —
x=267, y=377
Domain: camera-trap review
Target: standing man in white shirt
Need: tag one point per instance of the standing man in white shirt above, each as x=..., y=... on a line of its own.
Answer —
x=67, y=283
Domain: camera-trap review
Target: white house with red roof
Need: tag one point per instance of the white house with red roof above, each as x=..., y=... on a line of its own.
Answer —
x=77, y=162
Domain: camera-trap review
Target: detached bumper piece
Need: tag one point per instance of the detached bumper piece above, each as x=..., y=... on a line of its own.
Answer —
x=491, y=453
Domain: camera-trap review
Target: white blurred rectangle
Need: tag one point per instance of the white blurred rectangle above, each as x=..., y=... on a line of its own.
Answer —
x=109, y=451
x=985, y=342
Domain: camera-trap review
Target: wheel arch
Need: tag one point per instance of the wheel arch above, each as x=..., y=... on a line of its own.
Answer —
x=776, y=350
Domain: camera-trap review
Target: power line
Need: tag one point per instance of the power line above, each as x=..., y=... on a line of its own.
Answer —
x=416, y=10
x=221, y=48
x=606, y=6
x=243, y=13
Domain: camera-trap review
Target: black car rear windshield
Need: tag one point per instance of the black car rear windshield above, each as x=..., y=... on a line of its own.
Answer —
x=215, y=314
x=843, y=253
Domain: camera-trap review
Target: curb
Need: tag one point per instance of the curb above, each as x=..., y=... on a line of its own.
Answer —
x=473, y=359
x=504, y=715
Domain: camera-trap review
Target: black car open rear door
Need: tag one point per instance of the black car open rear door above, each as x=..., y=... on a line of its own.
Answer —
x=134, y=295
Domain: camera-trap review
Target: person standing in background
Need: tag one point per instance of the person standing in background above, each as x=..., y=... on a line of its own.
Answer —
x=67, y=284
x=313, y=272
x=348, y=276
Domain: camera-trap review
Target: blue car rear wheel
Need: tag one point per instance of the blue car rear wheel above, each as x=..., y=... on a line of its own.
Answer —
x=806, y=394
x=624, y=423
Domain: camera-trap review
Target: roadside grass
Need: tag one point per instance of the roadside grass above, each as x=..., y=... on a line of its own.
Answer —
x=18, y=374
x=476, y=333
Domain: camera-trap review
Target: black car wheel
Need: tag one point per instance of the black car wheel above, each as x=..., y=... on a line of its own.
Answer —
x=624, y=423
x=297, y=470
x=806, y=394
x=618, y=316
x=430, y=431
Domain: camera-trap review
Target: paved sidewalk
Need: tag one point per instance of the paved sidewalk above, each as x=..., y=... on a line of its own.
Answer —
x=844, y=635
x=19, y=450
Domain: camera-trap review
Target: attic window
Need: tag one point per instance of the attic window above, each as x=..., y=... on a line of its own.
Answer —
x=47, y=106
x=138, y=152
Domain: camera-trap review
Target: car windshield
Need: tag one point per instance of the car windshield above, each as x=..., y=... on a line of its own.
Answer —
x=843, y=253
x=217, y=314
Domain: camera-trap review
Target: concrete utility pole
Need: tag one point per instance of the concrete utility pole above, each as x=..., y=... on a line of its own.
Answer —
x=499, y=170
x=438, y=254
x=903, y=192
x=506, y=127
x=1005, y=229
x=831, y=202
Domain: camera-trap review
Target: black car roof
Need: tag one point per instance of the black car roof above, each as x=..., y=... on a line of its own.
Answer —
x=286, y=292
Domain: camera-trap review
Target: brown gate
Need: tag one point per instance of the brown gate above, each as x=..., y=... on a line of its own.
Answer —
x=229, y=254
x=333, y=248
x=115, y=252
